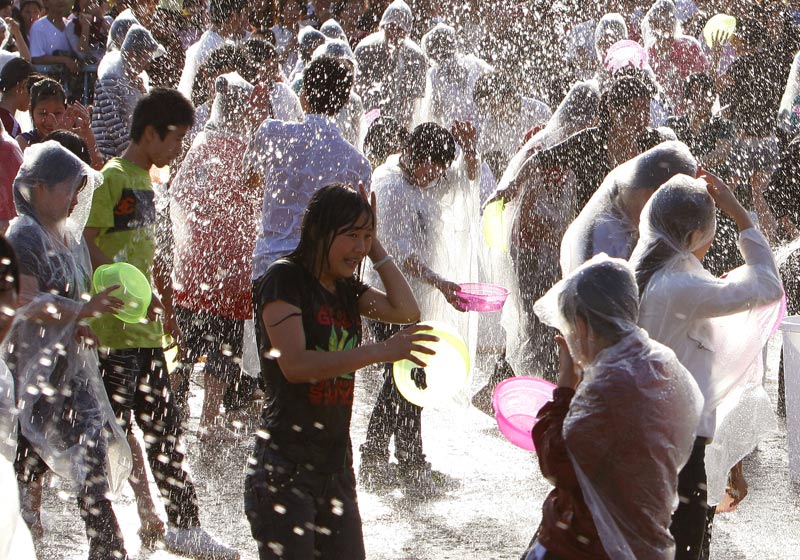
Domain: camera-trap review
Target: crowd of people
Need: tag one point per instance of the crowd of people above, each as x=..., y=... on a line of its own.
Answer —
x=250, y=157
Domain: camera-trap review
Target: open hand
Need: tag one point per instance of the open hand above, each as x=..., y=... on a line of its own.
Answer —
x=405, y=345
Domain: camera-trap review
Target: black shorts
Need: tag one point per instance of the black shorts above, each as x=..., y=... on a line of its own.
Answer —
x=296, y=514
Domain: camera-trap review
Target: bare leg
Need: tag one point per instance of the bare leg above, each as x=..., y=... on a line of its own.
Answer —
x=31, y=505
x=215, y=391
x=152, y=528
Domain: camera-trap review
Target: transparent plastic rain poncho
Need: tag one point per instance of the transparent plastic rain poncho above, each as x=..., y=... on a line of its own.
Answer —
x=660, y=19
x=630, y=426
x=718, y=327
x=550, y=204
x=333, y=30
x=208, y=200
x=789, y=110
x=609, y=223
x=440, y=224
x=450, y=80
x=64, y=411
x=391, y=78
x=350, y=119
x=116, y=35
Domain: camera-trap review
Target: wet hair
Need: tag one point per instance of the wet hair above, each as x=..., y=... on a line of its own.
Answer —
x=332, y=210
x=8, y=265
x=681, y=207
x=73, y=143
x=605, y=296
x=252, y=55
x=385, y=136
x=225, y=58
x=430, y=143
x=621, y=93
x=327, y=82
x=162, y=109
x=16, y=71
x=220, y=11
x=699, y=81
x=44, y=89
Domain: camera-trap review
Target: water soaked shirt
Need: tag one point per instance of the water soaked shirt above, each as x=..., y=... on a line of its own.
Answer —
x=309, y=423
x=295, y=161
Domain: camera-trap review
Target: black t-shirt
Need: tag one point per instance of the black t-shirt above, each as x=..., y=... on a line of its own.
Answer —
x=757, y=83
x=309, y=423
x=707, y=138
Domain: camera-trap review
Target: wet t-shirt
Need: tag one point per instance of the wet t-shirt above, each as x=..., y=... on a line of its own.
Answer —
x=309, y=423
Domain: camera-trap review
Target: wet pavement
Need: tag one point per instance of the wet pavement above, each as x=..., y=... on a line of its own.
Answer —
x=490, y=515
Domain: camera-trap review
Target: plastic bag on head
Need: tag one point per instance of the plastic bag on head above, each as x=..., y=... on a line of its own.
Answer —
x=63, y=406
x=231, y=102
x=337, y=48
x=399, y=13
x=610, y=220
x=660, y=20
x=140, y=40
x=678, y=219
x=119, y=29
x=631, y=422
x=47, y=165
x=610, y=29
x=333, y=30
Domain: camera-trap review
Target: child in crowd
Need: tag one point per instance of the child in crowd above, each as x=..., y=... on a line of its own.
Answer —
x=214, y=224
x=308, y=308
x=15, y=94
x=683, y=306
x=73, y=431
x=50, y=112
x=121, y=227
x=413, y=201
x=623, y=416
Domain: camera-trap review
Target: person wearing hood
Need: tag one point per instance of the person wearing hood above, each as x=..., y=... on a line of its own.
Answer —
x=622, y=417
x=451, y=79
x=350, y=119
x=73, y=432
x=119, y=88
x=228, y=19
x=333, y=30
x=391, y=67
x=308, y=39
x=609, y=30
x=717, y=327
x=610, y=221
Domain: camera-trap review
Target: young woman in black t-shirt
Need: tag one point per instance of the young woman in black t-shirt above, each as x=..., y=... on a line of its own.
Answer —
x=300, y=495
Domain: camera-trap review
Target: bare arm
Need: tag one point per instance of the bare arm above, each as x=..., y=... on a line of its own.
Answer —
x=284, y=326
x=398, y=305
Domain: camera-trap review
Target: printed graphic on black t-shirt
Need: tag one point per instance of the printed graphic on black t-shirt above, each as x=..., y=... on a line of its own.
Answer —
x=309, y=423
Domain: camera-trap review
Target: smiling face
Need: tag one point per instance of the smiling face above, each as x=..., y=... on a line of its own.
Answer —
x=348, y=249
x=48, y=115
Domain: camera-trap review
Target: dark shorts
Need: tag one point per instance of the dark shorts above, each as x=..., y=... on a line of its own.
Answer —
x=297, y=514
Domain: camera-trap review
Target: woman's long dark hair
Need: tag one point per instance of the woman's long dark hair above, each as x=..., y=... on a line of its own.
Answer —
x=333, y=209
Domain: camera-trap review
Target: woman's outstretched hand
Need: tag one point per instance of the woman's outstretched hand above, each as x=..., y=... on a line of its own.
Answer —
x=405, y=345
x=102, y=303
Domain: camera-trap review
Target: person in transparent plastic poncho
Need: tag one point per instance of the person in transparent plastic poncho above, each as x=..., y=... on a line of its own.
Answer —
x=65, y=419
x=214, y=223
x=717, y=327
x=620, y=425
x=451, y=79
x=15, y=538
x=609, y=222
x=527, y=263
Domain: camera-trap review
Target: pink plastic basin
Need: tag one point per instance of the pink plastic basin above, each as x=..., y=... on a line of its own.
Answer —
x=483, y=297
x=516, y=403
